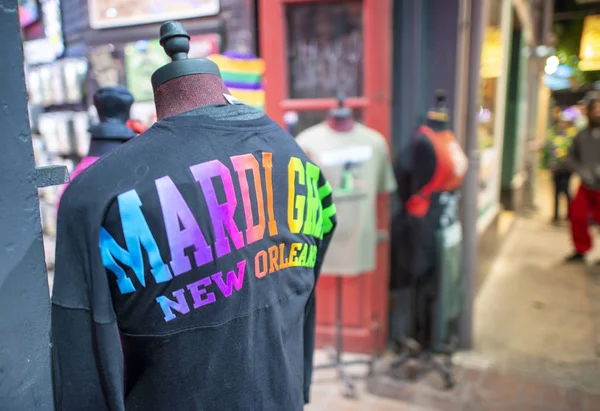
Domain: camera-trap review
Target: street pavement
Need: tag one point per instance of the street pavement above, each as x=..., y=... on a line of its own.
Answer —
x=537, y=334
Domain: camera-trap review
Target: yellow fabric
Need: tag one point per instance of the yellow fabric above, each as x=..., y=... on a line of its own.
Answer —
x=249, y=97
x=255, y=66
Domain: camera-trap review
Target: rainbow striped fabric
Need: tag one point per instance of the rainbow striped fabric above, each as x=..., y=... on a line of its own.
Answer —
x=243, y=75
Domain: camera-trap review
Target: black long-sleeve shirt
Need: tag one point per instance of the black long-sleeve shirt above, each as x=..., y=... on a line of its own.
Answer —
x=186, y=264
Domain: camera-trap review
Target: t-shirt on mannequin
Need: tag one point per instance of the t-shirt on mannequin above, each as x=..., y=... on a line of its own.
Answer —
x=355, y=159
x=187, y=259
x=436, y=164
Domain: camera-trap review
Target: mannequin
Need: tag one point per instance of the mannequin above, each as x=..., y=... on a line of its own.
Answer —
x=184, y=84
x=437, y=169
x=340, y=118
x=439, y=163
x=113, y=105
x=177, y=245
x=355, y=159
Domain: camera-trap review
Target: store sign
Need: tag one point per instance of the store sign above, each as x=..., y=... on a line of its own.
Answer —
x=119, y=13
x=492, y=58
x=589, y=53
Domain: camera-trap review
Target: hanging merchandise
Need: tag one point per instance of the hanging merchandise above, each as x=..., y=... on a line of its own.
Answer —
x=142, y=58
x=106, y=65
x=243, y=75
x=204, y=45
x=29, y=12
x=59, y=124
x=74, y=75
x=53, y=26
x=58, y=83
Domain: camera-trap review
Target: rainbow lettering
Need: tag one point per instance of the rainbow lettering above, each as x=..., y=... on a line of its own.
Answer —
x=306, y=215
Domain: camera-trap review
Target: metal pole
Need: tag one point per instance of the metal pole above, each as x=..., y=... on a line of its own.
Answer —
x=548, y=13
x=462, y=71
x=542, y=20
x=531, y=158
x=471, y=185
x=25, y=380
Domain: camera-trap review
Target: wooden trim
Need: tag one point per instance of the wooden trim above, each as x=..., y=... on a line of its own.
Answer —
x=377, y=56
x=376, y=104
x=273, y=50
x=316, y=1
x=322, y=104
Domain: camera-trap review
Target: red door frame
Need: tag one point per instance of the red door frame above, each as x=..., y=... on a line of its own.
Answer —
x=365, y=297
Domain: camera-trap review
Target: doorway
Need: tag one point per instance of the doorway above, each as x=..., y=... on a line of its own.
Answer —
x=313, y=50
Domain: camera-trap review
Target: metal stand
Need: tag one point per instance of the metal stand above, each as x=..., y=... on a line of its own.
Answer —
x=412, y=351
x=335, y=354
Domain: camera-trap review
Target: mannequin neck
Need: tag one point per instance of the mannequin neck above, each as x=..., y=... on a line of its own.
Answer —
x=340, y=124
x=101, y=146
x=187, y=93
x=437, y=125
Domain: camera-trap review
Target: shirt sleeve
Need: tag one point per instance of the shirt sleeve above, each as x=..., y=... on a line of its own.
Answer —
x=86, y=349
x=329, y=225
x=387, y=177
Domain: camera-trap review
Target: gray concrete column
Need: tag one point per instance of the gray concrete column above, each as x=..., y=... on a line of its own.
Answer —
x=25, y=375
x=470, y=186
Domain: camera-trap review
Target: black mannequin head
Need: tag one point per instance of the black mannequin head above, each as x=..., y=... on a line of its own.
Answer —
x=340, y=118
x=176, y=42
x=113, y=105
x=438, y=117
x=184, y=84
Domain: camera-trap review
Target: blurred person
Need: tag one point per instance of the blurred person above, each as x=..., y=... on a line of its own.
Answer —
x=584, y=159
x=555, y=157
x=581, y=121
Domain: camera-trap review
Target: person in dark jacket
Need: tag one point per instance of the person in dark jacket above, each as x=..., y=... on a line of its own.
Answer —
x=584, y=159
x=555, y=153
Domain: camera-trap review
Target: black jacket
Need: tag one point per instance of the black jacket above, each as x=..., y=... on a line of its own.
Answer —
x=186, y=264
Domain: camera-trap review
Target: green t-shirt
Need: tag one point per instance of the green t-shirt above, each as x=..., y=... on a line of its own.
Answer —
x=358, y=167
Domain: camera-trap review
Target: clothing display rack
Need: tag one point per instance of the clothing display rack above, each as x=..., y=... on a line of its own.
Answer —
x=419, y=348
x=335, y=353
x=419, y=352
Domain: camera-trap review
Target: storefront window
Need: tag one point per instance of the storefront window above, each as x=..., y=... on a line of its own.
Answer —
x=492, y=66
x=325, y=46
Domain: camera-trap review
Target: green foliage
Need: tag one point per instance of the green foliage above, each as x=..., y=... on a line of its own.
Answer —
x=567, y=50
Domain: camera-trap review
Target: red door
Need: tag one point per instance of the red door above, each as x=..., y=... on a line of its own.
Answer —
x=313, y=49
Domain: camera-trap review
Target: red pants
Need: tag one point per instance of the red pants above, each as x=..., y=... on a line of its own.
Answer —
x=584, y=206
